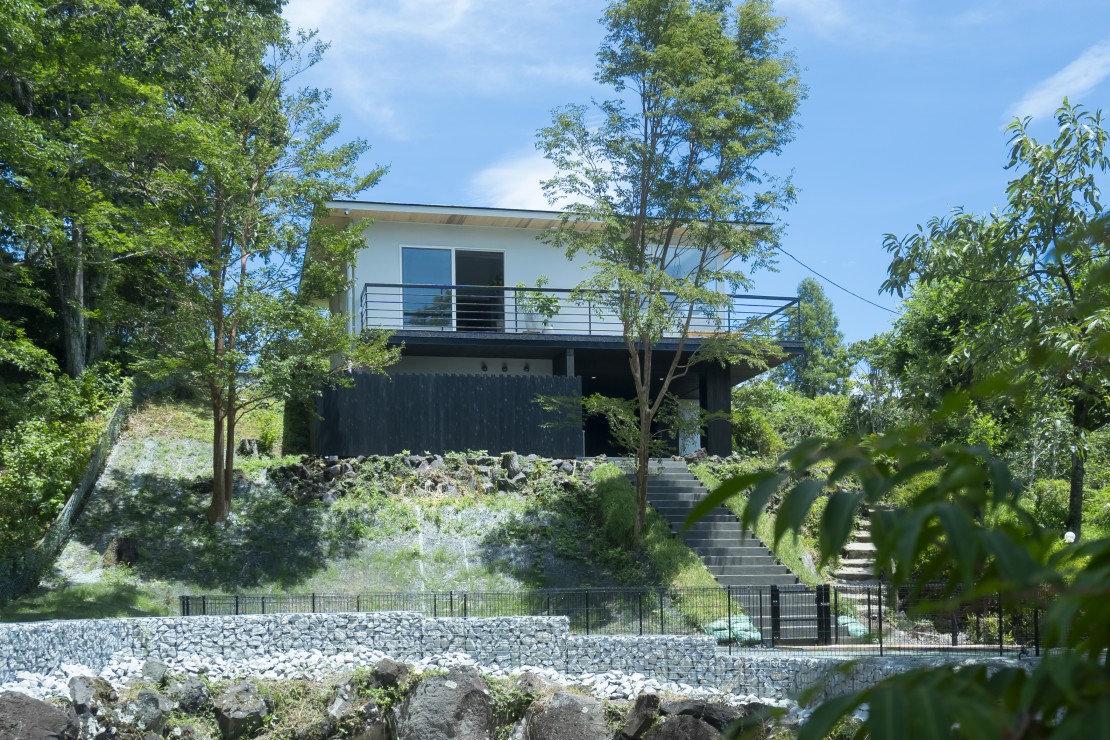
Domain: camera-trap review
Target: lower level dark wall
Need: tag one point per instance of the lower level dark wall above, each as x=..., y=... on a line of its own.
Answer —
x=441, y=413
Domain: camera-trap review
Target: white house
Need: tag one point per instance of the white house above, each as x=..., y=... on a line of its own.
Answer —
x=458, y=286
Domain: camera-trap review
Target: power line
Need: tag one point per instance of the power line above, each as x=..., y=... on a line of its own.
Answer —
x=838, y=285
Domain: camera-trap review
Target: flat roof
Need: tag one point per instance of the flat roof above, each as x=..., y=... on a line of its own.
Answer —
x=345, y=211
x=518, y=218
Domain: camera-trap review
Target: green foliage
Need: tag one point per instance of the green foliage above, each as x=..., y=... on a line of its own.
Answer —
x=769, y=418
x=1049, y=502
x=536, y=302
x=44, y=453
x=995, y=293
x=507, y=704
x=702, y=92
x=824, y=366
x=964, y=519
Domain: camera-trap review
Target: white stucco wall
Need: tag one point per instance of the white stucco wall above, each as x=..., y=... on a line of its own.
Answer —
x=526, y=259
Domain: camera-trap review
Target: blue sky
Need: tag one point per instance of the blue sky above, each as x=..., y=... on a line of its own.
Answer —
x=904, y=119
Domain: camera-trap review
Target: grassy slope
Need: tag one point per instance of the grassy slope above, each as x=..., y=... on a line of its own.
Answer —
x=153, y=491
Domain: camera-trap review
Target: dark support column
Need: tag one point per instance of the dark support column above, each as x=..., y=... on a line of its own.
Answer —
x=563, y=364
x=716, y=396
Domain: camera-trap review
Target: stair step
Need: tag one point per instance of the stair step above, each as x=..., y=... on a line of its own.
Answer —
x=731, y=552
x=710, y=545
x=736, y=561
x=773, y=569
x=860, y=548
x=856, y=564
x=757, y=581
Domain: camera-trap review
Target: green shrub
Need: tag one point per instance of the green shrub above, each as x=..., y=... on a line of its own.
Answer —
x=1048, y=502
x=43, y=456
x=752, y=432
x=1096, y=512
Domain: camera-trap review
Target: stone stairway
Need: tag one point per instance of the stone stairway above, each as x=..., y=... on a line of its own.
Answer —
x=732, y=553
x=857, y=559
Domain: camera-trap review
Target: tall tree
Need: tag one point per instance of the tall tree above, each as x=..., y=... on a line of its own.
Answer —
x=824, y=366
x=703, y=91
x=253, y=168
x=77, y=96
x=1018, y=279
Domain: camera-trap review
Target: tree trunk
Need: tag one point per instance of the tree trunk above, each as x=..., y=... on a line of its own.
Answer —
x=1075, y=492
x=229, y=448
x=70, y=271
x=1080, y=418
x=96, y=342
x=217, y=509
x=642, y=458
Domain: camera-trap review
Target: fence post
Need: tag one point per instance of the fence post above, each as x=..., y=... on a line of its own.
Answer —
x=451, y=595
x=204, y=605
x=836, y=615
x=1036, y=630
x=728, y=595
x=236, y=604
x=880, y=619
x=824, y=623
x=640, y=608
x=661, y=630
x=1000, y=649
x=587, y=611
x=464, y=605
x=776, y=616
x=184, y=605
x=762, y=621
x=313, y=602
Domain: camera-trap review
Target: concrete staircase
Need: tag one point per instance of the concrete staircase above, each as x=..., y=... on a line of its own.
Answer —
x=732, y=553
x=857, y=559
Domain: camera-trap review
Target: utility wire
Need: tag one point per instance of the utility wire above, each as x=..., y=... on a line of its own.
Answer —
x=838, y=285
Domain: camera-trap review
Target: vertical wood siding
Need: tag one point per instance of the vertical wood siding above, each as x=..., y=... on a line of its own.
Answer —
x=443, y=413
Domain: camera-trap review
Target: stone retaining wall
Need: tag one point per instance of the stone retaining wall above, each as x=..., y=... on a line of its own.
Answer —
x=499, y=643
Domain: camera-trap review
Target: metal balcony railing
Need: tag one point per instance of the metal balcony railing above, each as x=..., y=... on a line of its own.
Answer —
x=480, y=308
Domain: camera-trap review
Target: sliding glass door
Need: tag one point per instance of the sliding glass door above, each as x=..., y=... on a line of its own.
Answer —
x=480, y=301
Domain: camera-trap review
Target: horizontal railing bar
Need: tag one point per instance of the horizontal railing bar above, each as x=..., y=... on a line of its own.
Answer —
x=516, y=289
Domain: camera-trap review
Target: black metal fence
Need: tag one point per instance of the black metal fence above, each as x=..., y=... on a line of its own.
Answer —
x=870, y=619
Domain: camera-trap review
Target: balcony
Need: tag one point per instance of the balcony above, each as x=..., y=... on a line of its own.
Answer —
x=410, y=307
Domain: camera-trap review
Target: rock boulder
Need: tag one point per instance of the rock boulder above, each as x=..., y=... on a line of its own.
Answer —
x=566, y=716
x=455, y=706
x=240, y=710
x=25, y=718
x=683, y=727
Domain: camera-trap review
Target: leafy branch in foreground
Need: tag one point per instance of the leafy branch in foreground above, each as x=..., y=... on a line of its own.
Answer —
x=965, y=524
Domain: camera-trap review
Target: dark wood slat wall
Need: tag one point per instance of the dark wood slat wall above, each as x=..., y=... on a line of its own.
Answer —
x=443, y=413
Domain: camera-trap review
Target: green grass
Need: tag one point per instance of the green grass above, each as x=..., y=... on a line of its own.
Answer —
x=672, y=562
x=88, y=601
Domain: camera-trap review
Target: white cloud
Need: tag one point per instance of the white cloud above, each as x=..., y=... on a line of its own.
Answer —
x=389, y=56
x=512, y=183
x=870, y=22
x=1074, y=81
x=822, y=14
